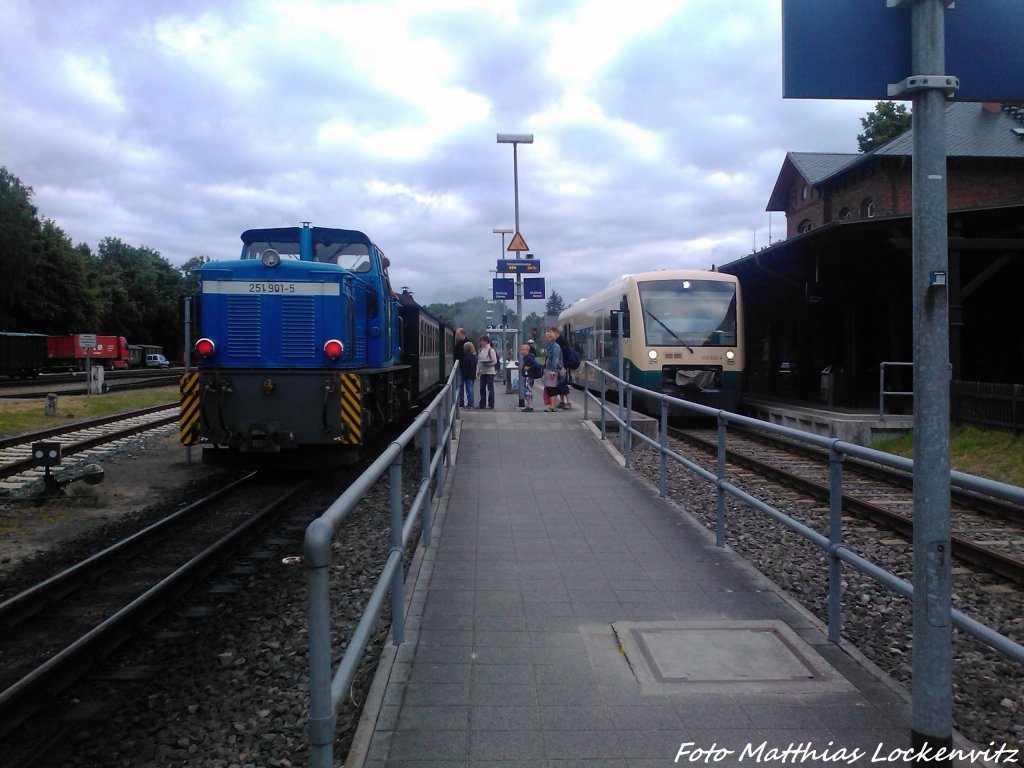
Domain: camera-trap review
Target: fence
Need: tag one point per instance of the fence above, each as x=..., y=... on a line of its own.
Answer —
x=987, y=404
x=327, y=691
x=838, y=450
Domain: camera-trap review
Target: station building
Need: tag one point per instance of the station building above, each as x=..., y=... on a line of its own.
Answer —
x=829, y=304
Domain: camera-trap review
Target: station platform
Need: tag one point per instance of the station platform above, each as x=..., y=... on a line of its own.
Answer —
x=565, y=616
x=853, y=425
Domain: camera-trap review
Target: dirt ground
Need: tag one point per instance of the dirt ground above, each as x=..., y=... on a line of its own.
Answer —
x=134, y=481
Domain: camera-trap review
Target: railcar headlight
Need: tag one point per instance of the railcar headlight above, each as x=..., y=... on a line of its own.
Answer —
x=270, y=258
x=653, y=354
x=205, y=348
x=334, y=349
x=730, y=355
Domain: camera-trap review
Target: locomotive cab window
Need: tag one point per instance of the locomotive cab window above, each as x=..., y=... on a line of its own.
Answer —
x=690, y=313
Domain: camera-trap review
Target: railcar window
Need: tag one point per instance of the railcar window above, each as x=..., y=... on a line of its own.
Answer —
x=287, y=250
x=690, y=313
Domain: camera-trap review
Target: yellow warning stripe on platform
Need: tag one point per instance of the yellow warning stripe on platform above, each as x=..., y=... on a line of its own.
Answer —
x=188, y=411
x=351, y=409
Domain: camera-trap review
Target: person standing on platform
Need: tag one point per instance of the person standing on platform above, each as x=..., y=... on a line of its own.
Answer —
x=529, y=355
x=467, y=369
x=552, y=367
x=563, y=381
x=487, y=364
x=459, y=351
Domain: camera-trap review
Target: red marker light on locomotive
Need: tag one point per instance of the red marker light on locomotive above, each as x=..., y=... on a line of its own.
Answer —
x=205, y=348
x=334, y=349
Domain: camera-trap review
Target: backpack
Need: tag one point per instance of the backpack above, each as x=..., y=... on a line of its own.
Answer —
x=572, y=358
x=533, y=370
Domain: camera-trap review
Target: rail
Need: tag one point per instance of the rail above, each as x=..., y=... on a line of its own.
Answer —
x=883, y=392
x=327, y=690
x=838, y=451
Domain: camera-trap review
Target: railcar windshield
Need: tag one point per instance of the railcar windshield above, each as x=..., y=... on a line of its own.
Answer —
x=354, y=257
x=688, y=313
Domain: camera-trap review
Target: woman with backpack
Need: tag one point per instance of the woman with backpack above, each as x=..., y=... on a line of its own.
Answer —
x=553, y=370
x=530, y=370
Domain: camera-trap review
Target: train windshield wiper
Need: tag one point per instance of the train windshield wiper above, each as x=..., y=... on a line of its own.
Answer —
x=676, y=337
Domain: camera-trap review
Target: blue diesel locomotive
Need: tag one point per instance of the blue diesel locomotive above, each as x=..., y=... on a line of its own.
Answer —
x=305, y=348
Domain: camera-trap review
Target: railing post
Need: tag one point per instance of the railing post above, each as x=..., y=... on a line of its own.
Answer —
x=627, y=430
x=397, y=592
x=663, y=439
x=835, y=537
x=321, y=723
x=720, y=495
x=586, y=389
x=604, y=428
x=881, y=391
x=425, y=453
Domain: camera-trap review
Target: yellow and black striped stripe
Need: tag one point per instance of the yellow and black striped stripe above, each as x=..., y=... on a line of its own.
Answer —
x=351, y=409
x=188, y=411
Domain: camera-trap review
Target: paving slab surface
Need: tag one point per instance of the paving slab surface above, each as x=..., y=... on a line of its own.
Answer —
x=566, y=616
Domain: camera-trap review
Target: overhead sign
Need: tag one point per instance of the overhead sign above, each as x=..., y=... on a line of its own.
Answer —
x=853, y=49
x=517, y=244
x=518, y=266
x=504, y=288
x=533, y=288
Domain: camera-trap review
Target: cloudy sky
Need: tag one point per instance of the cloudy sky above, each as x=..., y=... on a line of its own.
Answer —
x=659, y=128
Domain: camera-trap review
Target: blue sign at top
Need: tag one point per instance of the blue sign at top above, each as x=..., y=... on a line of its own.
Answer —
x=853, y=49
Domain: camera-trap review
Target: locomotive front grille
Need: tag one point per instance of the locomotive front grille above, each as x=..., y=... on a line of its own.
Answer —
x=298, y=327
x=243, y=326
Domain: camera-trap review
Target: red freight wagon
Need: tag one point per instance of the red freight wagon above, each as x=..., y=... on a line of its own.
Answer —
x=66, y=352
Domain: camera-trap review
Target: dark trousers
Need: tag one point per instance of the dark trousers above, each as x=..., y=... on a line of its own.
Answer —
x=486, y=390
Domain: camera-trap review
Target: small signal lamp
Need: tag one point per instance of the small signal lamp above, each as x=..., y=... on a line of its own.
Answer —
x=205, y=348
x=334, y=349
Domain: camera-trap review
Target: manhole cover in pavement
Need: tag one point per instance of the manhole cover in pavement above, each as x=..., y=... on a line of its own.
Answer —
x=748, y=656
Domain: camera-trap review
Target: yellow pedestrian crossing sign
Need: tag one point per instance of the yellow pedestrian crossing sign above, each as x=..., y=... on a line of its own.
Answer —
x=518, y=244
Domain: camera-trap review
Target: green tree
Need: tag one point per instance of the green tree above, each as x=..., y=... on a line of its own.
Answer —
x=20, y=227
x=887, y=121
x=555, y=304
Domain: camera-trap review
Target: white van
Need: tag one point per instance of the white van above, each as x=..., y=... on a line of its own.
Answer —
x=156, y=361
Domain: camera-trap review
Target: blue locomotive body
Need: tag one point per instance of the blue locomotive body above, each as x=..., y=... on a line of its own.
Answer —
x=301, y=345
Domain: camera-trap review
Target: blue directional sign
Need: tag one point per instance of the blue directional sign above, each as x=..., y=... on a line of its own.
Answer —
x=533, y=288
x=519, y=266
x=853, y=49
x=504, y=288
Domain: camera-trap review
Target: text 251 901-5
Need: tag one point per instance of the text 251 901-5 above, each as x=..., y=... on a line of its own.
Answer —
x=271, y=287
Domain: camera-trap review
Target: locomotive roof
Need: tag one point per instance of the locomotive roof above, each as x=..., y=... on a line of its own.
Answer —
x=291, y=235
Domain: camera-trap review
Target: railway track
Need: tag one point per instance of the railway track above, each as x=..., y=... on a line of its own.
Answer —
x=57, y=630
x=986, y=532
x=18, y=467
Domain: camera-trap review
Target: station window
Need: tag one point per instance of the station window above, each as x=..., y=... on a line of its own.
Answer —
x=844, y=213
x=805, y=226
x=867, y=208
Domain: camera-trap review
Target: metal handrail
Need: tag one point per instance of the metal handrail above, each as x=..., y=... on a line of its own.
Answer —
x=327, y=690
x=883, y=392
x=831, y=544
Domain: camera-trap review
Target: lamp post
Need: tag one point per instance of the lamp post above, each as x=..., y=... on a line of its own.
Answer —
x=504, y=232
x=515, y=139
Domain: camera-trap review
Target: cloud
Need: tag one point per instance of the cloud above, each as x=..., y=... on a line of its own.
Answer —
x=659, y=128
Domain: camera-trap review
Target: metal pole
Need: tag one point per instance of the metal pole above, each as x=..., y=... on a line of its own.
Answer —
x=397, y=545
x=931, y=706
x=720, y=492
x=519, y=312
x=835, y=537
x=188, y=357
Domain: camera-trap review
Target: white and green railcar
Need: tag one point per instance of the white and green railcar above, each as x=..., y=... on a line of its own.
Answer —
x=682, y=335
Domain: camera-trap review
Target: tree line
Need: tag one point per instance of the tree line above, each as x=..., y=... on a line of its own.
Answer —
x=52, y=286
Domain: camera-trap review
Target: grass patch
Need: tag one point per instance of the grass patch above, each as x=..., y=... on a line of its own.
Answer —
x=994, y=454
x=29, y=416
